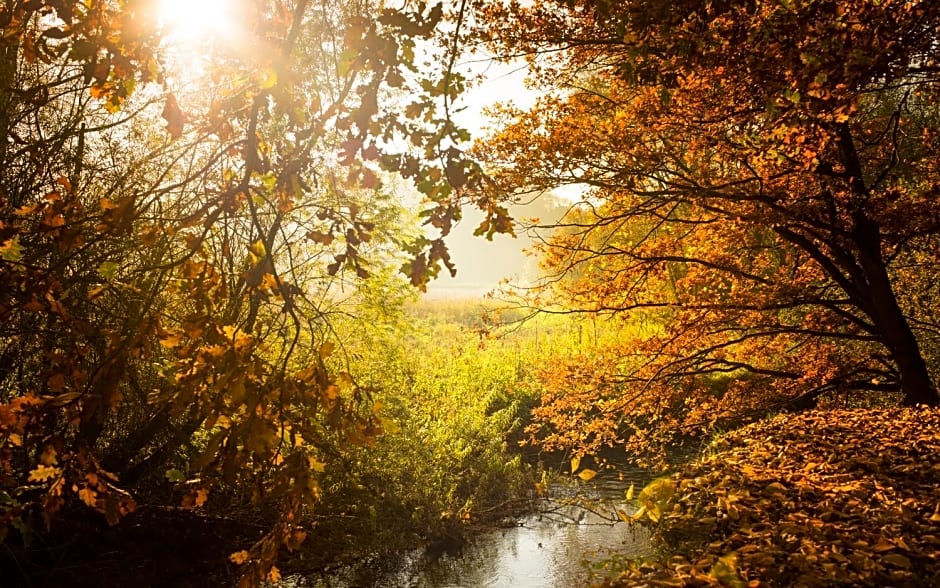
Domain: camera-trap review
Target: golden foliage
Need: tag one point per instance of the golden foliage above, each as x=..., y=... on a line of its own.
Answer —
x=826, y=498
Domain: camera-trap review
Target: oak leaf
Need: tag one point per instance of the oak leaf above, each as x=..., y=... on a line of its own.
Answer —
x=43, y=472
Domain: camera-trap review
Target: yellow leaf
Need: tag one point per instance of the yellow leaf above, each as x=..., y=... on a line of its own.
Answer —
x=171, y=339
x=267, y=78
x=575, y=462
x=587, y=474
x=215, y=351
x=326, y=349
x=258, y=248
x=629, y=493
x=316, y=465
x=623, y=516
x=239, y=557
x=43, y=473
x=243, y=342
x=88, y=496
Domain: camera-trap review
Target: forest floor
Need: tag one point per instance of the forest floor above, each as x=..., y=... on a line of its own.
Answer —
x=824, y=498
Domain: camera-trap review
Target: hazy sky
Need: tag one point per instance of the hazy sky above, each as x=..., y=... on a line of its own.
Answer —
x=481, y=264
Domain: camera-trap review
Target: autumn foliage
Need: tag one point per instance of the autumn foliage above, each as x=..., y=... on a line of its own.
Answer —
x=184, y=255
x=174, y=244
x=759, y=186
x=782, y=503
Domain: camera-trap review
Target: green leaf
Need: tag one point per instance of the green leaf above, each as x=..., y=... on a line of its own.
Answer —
x=792, y=95
x=108, y=269
x=11, y=250
x=726, y=572
x=175, y=475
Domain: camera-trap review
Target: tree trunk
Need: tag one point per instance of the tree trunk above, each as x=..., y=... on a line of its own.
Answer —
x=875, y=290
x=886, y=313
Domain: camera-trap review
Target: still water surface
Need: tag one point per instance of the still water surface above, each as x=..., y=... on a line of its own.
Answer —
x=547, y=550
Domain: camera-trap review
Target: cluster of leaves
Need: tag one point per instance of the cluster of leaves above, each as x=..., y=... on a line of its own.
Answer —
x=823, y=498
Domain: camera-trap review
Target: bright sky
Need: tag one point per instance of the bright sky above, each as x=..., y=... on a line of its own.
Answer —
x=481, y=264
x=502, y=82
x=190, y=21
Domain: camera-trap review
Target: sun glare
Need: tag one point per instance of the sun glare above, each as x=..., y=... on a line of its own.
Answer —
x=194, y=22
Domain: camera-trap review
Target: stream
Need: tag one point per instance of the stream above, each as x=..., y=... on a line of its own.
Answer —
x=550, y=549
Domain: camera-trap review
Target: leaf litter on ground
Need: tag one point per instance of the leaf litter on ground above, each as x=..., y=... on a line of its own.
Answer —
x=822, y=498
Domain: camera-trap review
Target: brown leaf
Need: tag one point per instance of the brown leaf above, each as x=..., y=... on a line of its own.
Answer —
x=174, y=117
x=897, y=560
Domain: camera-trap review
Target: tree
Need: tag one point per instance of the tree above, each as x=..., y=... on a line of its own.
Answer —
x=171, y=249
x=760, y=173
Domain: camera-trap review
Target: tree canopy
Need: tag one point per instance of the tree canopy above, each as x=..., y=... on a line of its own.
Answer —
x=761, y=193
x=177, y=232
x=180, y=230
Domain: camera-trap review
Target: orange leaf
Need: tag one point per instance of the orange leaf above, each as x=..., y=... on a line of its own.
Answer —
x=274, y=575
x=88, y=496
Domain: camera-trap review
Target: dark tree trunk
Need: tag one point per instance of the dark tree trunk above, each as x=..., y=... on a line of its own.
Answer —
x=873, y=287
x=890, y=320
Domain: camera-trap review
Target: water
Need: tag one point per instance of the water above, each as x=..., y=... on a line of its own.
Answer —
x=546, y=550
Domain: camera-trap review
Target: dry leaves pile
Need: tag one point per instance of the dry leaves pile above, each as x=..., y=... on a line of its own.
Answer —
x=834, y=498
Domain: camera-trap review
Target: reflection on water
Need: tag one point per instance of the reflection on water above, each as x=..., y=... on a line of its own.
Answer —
x=541, y=553
x=548, y=550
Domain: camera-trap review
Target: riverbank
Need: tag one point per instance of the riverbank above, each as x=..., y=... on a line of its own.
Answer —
x=824, y=498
